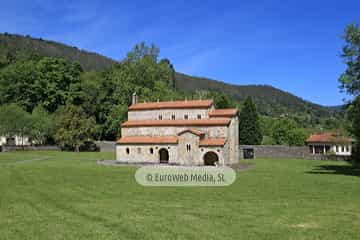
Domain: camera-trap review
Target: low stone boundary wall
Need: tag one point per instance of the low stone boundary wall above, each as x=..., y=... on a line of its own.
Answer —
x=106, y=146
x=280, y=151
x=10, y=148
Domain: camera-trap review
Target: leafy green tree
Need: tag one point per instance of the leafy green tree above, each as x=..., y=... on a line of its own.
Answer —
x=221, y=100
x=73, y=127
x=285, y=132
x=43, y=125
x=268, y=141
x=117, y=115
x=14, y=121
x=249, y=124
x=58, y=83
x=350, y=79
x=106, y=94
x=354, y=116
x=281, y=129
x=297, y=137
x=48, y=82
x=141, y=67
x=266, y=124
x=17, y=85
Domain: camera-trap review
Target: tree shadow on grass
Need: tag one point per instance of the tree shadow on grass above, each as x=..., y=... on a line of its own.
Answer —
x=348, y=170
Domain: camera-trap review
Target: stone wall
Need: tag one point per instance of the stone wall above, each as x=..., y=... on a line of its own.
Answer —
x=168, y=113
x=211, y=131
x=276, y=151
x=106, y=146
x=10, y=148
x=233, y=140
x=145, y=153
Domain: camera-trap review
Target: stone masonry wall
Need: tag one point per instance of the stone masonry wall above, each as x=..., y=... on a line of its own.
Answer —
x=213, y=131
x=275, y=151
x=167, y=114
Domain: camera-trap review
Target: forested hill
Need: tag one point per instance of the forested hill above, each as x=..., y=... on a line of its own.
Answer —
x=17, y=44
x=270, y=101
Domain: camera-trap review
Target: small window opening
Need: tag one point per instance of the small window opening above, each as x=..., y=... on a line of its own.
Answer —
x=127, y=151
x=151, y=150
x=199, y=116
x=173, y=117
x=186, y=116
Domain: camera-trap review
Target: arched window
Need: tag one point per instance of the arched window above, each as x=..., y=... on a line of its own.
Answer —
x=151, y=150
x=188, y=147
x=127, y=151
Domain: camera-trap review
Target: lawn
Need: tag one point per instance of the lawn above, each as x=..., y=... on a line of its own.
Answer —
x=57, y=195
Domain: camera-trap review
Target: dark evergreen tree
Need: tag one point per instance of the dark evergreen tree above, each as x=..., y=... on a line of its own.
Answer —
x=249, y=126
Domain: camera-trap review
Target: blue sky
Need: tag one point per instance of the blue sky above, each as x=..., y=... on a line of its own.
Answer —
x=292, y=45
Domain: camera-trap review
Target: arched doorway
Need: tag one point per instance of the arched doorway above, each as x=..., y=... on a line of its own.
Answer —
x=164, y=155
x=210, y=158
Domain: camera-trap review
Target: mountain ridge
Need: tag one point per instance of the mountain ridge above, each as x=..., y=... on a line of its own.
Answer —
x=271, y=100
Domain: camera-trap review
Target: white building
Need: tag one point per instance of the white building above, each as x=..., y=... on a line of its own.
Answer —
x=328, y=143
x=179, y=132
x=15, y=141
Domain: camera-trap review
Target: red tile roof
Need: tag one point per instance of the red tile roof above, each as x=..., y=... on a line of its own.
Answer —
x=212, y=142
x=229, y=112
x=148, y=140
x=194, y=131
x=328, y=138
x=193, y=122
x=171, y=105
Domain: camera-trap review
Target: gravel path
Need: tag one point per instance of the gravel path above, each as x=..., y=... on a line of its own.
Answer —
x=237, y=167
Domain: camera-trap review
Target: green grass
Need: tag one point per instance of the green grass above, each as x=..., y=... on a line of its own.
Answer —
x=56, y=195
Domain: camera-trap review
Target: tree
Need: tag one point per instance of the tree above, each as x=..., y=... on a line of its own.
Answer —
x=350, y=80
x=117, y=115
x=43, y=125
x=281, y=129
x=48, y=82
x=249, y=124
x=14, y=121
x=221, y=100
x=58, y=83
x=297, y=137
x=73, y=127
x=354, y=116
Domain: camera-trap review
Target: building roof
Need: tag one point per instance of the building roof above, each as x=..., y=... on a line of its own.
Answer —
x=192, y=122
x=148, y=140
x=328, y=138
x=171, y=105
x=194, y=131
x=229, y=112
x=212, y=142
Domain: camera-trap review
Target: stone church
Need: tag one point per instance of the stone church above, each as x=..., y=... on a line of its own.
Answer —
x=179, y=132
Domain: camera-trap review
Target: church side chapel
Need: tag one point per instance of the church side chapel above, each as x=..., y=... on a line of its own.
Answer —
x=189, y=132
